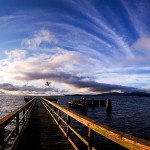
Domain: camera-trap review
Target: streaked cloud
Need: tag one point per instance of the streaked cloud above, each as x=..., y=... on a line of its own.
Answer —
x=138, y=12
x=103, y=27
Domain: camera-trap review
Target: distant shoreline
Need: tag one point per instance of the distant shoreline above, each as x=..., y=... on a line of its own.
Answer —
x=140, y=94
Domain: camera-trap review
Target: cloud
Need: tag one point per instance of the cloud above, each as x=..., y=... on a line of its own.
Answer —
x=138, y=12
x=105, y=30
x=2, y=92
x=7, y=87
x=87, y=46
x=76, y=33
x=80, y=82
x=101, y=87
x=71, y=70
x=16, y=54
x=96, y=33
x=9, y=18
x=142, y=44
x=61, y=60
x=39, y=38
x=74, y=81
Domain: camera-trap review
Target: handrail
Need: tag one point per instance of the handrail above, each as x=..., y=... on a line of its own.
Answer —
x=21, y=121
x=123, y=139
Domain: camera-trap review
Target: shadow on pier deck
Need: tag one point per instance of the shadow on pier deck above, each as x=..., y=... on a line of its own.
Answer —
x=42, y=133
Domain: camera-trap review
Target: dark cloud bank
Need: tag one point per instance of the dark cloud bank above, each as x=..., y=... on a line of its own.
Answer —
x=10, y=87
x=73, y=80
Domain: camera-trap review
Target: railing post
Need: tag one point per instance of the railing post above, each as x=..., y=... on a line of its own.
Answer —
x=91, y=138
x=53, y=110
x=49, y=107
x=59, y=115
x=24, y=117
x=27, y=113
x=2, y=138
x=68, y=123
x=17, y=122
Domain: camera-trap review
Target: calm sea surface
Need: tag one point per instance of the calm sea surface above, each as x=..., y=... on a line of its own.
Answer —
x=129, y=114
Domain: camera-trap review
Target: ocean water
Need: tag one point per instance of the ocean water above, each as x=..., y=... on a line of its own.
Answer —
x=8, y=103
x=129, y=114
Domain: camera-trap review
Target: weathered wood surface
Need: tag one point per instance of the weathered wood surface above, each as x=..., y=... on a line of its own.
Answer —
x=42, y=132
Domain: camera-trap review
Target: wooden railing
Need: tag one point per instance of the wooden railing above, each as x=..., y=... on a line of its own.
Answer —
x=19, y=117
x=123, y=139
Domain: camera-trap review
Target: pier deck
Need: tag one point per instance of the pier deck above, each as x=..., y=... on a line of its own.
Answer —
x=42, y=133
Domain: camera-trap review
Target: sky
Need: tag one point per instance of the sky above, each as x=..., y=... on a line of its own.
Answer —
x=77, y=46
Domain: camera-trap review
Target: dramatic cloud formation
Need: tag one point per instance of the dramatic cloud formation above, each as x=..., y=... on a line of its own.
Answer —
x=79, y=46
x=55, y=68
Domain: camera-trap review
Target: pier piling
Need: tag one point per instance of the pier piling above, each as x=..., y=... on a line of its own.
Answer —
x=108, y=106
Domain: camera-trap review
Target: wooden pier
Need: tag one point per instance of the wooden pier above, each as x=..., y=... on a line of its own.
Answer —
x=38, y=128
x=42, y=132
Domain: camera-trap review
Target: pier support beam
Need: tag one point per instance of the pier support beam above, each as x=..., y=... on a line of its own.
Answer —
x=108, y=106
x=68, y=123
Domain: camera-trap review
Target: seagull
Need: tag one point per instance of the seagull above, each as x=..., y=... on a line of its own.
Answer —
x=47, y=83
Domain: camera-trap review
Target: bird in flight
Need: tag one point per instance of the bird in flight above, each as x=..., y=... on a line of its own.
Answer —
x=47, y=83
